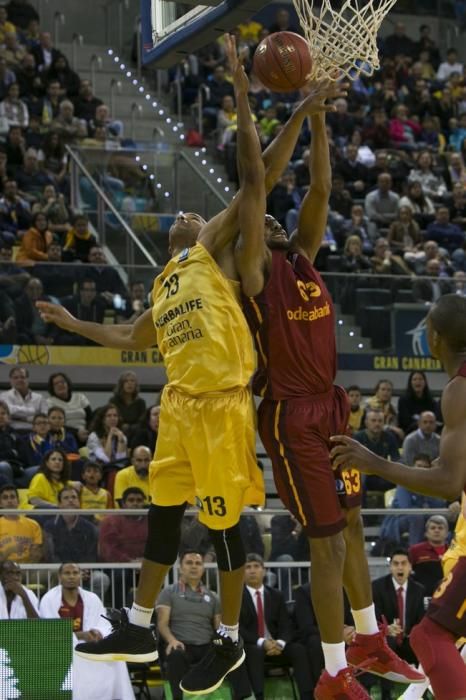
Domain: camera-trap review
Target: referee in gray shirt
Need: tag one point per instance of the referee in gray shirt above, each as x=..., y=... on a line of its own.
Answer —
x=188, y=614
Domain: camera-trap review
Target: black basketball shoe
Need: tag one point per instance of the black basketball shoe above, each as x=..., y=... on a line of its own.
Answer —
x=126, y=642
x=223, y=657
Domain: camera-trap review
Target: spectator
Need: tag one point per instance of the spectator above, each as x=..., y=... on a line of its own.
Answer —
x=430, y=290
x=13, y=111
x=457, y=132
x=30, y=84
x=195, y=537
x=404, y=233
x=68, y=600
x=31, y=180
x=251, y=534
x=399, y=600
x=31, y=447
x=92, y=494
x=404, y=132
x=226, y=121
x=137, y=302
x=59, y=70
x=380, y=441
x=35, y=242
x=86, y=305
x=86, y=103
x=425, y=557
x=446, y=234
x=31, y=328
x=21, y=401
x=15, y=215
x=354, y=173
x=341, y=122
x=7, y=77
x=420, y=204
x=79, y=239
x=289, y=541
x=456, y=173
x=416, y=399
x=54, y=159
x=70, y=128
x=398, y=43
x=377, y=134
x=108, y=281
x=136, y=475
x=449, y=67
x=58, y=279
x=75, y=404
x=45, y=55
x=21, y=12
x=52, y=477
x=340, y=199
x=283, y=22
x=382, y=205
x=71, y=537
x=54, y=207
x=20, y=537
x=459, y=281
x=6, y=27
x=58, y=436
x=47, y=108
x=358, y=225
x=15, y=148
x=102, y=117
x=432, y=185
x=426, y=43
x=188, y=613
x=356, y=408
x=12, y=51
x=106, y=442
x=424, y=440
x=131, y=406
x=458, y=213
x=122, y=537
x=265, y=626
x=382, y=401
x=414, y=524
x=16, y=601
x=147, y=434
x=10, y=463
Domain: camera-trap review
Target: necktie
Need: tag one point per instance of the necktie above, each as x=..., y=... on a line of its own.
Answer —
x=260, y=615
x=401, y=610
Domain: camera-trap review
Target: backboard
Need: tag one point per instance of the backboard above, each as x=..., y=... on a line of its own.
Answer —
x=169, y=33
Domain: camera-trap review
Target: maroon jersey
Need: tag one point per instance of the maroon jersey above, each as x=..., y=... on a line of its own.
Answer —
x=462, y=373
x=293, y=325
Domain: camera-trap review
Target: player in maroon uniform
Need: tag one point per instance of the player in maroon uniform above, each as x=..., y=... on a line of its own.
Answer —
x=291, y=317
x=434, y=638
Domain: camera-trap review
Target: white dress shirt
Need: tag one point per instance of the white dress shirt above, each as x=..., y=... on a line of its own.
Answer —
x=23, y=408
x=404, y=586
x=261, y=640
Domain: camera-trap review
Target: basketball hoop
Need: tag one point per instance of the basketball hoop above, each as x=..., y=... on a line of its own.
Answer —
x=344, y=40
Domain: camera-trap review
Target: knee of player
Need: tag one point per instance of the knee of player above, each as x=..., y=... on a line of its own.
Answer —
x=354, y=522
x=327, y=552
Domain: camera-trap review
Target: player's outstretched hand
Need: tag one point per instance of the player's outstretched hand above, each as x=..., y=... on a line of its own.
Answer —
x=235, y=63
x=55, y=313
x=350, y=454
x=316, y=94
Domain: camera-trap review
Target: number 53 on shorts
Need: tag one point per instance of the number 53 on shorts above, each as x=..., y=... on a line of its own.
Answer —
x=352, y=481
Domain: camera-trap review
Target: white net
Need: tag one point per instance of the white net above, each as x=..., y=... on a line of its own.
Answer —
x=343, y=39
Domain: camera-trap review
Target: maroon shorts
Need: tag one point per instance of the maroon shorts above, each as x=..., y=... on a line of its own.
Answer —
x=295, y=433
x=448, y=605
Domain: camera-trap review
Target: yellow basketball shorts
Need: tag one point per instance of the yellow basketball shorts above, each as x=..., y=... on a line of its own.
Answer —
x=205, y=455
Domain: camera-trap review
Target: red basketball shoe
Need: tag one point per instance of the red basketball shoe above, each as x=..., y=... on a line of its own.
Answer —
x=373, y=653
x=343, y=686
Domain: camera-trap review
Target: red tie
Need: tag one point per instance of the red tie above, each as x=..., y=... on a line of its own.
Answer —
x=260, y=615
x=401, y=609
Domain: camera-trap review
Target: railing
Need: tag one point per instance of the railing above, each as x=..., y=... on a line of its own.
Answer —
x=105, y=208
x=109, y=15
x=58, y=20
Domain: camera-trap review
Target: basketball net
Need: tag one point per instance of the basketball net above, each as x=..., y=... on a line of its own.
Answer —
x=343, y=41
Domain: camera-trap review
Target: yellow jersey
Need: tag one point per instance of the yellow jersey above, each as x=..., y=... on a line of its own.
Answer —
x=201, y=331
x=460, y=531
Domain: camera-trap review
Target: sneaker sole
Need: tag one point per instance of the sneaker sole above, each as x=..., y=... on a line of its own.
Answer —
x=206, y=691
x=132, y=658
x=390, y=675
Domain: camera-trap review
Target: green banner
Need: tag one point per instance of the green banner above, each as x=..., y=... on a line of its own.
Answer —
x=35, y=659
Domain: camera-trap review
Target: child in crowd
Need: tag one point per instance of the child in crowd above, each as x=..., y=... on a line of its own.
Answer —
x=92, y=494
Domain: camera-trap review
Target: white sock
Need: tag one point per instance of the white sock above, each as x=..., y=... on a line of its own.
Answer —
x=463, y=653
x=335, y=658
x=140, y=616
x=229, y=631
x=365, y=620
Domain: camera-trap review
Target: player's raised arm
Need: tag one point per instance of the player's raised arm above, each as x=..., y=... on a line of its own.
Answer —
x=278, y=154
x=448, y=475
x=313, y=212
x=250, y=248
x=139, y=335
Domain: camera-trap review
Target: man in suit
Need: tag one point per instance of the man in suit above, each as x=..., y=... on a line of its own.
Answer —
x=430, y=290
x=267, y=631
x=399, y=600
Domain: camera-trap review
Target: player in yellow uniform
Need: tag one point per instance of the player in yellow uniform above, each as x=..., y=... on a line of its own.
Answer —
x=205, y=446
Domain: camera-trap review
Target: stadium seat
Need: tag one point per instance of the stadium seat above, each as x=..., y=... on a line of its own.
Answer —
x=369, y=297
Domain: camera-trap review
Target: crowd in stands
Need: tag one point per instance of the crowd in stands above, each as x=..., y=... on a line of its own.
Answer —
x=398, y=148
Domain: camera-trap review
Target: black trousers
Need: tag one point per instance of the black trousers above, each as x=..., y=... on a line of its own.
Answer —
x=178, y=663
x=293, y=654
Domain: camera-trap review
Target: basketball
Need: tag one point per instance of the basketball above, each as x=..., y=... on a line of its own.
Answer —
x=283, y=62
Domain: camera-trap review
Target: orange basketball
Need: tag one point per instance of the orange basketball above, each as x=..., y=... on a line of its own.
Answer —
x=283, y=62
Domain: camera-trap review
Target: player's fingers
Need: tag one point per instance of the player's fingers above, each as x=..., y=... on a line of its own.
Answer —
x=343, y=439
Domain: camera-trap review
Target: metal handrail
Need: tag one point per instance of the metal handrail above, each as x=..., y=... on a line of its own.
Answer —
x=103, y=198
x=122, y=4
x=136, y=108
x=95, y=63
x=192, y=511
x=115, y=88
x=76, y=41
x=58, y=18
